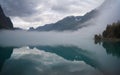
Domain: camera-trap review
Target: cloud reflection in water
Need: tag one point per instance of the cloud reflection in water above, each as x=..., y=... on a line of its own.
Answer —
x=25, y=61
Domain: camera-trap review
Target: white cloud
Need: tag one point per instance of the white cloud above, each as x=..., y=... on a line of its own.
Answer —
x=40, y=12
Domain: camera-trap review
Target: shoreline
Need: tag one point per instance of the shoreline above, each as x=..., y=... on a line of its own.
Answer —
x=107, y=40
x=110, y=39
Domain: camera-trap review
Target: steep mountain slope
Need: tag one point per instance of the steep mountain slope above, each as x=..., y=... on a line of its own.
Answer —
x=5, y=22
x=68, y=23
x=64, y=24
x=105, y=14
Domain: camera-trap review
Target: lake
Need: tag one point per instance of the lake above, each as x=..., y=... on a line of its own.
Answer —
x=59, y=55
x=95, y=59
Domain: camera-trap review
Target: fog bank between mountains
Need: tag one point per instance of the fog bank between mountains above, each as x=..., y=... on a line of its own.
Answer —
x=108, y=13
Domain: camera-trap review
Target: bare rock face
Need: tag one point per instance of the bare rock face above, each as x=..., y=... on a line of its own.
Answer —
x=5, y=22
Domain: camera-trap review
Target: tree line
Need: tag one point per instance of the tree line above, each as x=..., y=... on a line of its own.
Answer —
x=112, y=31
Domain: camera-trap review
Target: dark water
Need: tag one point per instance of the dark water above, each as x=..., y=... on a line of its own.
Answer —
x=92, y=59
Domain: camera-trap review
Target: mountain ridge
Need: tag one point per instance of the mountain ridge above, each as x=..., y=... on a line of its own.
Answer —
x=5, y=22
x=67, y=23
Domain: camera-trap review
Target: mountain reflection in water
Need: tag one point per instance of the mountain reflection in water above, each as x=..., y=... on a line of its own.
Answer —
x=25, y=61
x=60, y=60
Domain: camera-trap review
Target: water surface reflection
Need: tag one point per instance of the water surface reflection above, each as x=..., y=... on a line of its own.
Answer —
x=25, y=61
x=97, y=59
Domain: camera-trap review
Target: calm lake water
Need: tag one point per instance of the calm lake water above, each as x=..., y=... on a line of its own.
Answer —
x=84, y=58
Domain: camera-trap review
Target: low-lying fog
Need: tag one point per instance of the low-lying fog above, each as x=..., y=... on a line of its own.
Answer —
x=24, y=38
x=109, y=13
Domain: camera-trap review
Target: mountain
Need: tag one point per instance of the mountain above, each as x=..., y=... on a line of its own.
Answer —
x=105, y=14
x=5, y=22
x=67, y=23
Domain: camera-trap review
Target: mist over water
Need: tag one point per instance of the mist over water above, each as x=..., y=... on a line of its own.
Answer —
x=24, y=38
x=53, y=53
x=108, y=13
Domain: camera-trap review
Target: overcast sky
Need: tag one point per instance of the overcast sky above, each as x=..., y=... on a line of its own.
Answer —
x=33, y=13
